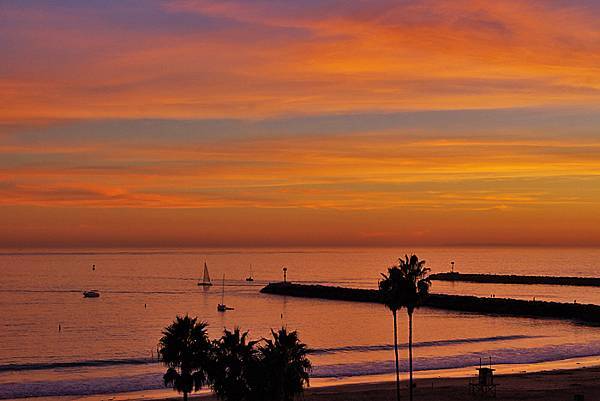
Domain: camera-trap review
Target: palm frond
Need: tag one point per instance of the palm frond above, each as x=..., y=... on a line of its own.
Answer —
x=186, y=351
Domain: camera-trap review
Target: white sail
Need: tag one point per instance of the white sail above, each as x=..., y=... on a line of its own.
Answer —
x=206, y=278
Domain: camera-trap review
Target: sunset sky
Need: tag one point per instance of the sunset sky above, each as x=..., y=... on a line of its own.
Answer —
x=299, y=123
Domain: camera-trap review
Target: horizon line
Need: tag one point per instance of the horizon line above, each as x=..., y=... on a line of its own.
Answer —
x=288, y=246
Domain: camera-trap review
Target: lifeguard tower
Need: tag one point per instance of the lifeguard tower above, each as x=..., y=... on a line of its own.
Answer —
x=484, y=387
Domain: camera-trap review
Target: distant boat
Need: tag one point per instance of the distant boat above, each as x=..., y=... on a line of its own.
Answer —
x=222, y=307
x=250, y=278
x=92, y=293
x=206, y=278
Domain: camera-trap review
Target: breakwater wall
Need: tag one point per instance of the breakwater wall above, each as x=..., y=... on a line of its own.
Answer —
x=516, y=279
x=584, y=313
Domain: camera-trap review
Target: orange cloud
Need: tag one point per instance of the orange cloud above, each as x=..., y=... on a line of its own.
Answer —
x=350, y=172
x=273, y=59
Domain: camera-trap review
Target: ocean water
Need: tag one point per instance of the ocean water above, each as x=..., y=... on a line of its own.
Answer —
x=109, y=344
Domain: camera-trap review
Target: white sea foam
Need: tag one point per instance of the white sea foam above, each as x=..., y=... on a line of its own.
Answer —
x=122, y=382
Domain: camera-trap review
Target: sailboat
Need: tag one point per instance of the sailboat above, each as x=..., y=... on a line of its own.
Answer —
x=222, y=307
x=250, y=278
x=206, y=278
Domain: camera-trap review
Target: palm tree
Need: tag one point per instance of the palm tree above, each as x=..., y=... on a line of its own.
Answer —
x=284, y=359
x=235, y=366
x=416, y=283
x=186, y=352
x=391, y=292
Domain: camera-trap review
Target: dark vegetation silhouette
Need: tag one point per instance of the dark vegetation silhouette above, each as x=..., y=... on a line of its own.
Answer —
x=237, y=369
x=187, y=352
x=286, y=364
x=415, y=289
x=405, y=285
x=390, y=289
x=236, y=364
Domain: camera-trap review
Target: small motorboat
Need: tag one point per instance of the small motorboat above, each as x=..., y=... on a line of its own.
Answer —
x=91, y=294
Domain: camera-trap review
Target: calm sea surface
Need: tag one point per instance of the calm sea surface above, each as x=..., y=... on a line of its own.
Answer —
x=107, y=344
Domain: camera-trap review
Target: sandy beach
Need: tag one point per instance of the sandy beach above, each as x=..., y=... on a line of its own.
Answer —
x=554, y=385
x=544, y=386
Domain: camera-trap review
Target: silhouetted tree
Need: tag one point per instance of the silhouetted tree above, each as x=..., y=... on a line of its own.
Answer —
x=286, y=365
x=236, y=365
x=186, y=351
x=391, y=290
x=414, y=289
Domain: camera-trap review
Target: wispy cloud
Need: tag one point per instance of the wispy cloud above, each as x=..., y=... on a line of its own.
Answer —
x=361, y=170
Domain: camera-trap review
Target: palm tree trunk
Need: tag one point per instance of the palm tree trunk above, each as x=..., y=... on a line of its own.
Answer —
x=410, y=366
x=396, y=352
x=185, y=396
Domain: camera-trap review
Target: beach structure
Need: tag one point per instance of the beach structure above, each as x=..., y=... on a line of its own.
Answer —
x=516, y=279
x=484, y=386
x=583, y=313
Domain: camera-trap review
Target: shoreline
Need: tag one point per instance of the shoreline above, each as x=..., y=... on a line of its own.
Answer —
x=542, y=381
x=153, y=390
